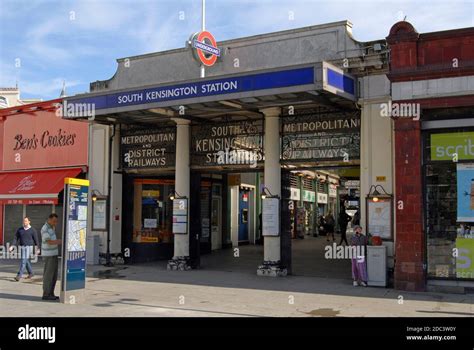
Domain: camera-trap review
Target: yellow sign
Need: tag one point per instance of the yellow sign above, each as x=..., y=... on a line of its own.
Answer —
x=73, y=181
x=381, y=178
x=465, y=258
x=151, y=193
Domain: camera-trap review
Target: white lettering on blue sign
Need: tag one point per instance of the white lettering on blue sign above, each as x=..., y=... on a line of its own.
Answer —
x=239, y=84
x=207, y=48
x=185, y=91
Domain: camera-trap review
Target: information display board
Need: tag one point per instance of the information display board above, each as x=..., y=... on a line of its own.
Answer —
x=379, y=217
x=180, y=216
x=271, y=217
x=73, y=274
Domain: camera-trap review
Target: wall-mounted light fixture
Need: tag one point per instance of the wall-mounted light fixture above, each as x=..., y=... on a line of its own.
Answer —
x=267, y=194
x=375, y=194
x=175, y=195
x=97, y=195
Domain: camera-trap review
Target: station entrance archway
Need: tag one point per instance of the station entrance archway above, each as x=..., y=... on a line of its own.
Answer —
x=320, y=150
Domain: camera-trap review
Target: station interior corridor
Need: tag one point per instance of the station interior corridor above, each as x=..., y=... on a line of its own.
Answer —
x=308, y=256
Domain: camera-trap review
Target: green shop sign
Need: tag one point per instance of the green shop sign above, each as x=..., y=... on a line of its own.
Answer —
x=449, y=146
x=309, y=196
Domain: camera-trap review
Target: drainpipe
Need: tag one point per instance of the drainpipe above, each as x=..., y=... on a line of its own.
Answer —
x=108, y=261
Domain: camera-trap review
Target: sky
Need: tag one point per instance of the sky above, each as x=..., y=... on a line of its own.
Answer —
x=46, y=42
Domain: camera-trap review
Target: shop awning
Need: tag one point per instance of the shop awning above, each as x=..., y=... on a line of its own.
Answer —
x=34, y=187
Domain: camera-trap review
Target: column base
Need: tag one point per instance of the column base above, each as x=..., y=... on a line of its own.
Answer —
x=179, y=263
x=272, y=269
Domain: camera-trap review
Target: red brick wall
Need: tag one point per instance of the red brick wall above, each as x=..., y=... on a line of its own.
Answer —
x=1, y=223
x=415, y=56
x=410, y=241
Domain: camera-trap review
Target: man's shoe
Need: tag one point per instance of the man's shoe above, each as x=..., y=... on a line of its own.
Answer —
x=50, y=298
x=29, y=277
x=17, y=278
x=355, y=284
x=363, y=284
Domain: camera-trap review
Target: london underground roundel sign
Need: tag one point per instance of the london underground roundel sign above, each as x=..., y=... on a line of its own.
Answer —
x=206, y=50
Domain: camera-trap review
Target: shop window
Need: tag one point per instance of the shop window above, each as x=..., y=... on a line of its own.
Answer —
x=38, y=215
x=449, y=204
x=13, y=217
x=216, y=190
x=152, y=212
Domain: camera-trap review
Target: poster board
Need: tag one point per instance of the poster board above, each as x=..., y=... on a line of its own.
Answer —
x=380, y=218
x=180, y=216
x=99, y=214
x=271, y=217
x=465, y=190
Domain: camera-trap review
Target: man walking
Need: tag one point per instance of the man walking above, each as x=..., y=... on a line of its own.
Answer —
x=26, y=238
x=50, y=252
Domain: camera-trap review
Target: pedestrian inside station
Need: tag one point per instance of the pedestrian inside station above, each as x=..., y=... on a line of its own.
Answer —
x=197, y=163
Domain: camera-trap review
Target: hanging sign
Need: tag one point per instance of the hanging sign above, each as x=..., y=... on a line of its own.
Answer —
x=322, y=198
x=332, y=189
x=309, y=196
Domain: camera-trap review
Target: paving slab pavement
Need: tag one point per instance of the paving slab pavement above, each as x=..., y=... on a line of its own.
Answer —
x=151, y=290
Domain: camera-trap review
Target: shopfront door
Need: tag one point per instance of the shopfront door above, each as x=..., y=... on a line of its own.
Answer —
x=216, y=223
x=243, y=216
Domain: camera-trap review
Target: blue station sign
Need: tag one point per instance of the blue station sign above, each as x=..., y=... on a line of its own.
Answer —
x=203, y=88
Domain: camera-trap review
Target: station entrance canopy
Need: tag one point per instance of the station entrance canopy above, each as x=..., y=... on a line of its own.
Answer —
x=319, y=84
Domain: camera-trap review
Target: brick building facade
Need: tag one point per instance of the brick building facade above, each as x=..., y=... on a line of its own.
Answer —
x=434, y=71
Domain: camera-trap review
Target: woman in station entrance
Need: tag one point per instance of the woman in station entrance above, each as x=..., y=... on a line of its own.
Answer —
x=330, y=223
x=359, y=266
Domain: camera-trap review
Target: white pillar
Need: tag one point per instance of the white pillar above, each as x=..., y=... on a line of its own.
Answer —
x=272, y=181
x=180, y=259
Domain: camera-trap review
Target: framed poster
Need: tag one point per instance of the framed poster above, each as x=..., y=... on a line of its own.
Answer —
x=271, y=217
x=150, y=223
x=465, y=189
x=379, y=218
x=99, y=214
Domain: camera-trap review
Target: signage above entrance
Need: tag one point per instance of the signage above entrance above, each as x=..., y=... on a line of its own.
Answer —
x=452, y=146
x=321, y=136
x=192, y=92
x=41, y=139
x=337, y=82
x=234, y=143
x=148, y=148
x=205, y=48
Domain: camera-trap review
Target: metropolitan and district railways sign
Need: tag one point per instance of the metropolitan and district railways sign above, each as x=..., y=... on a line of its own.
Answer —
x=228, y=143
x=321, y=137
x=148, y=148
x=318, y=137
